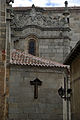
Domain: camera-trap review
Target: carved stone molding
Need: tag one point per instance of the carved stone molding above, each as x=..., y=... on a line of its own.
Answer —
x=37, y=18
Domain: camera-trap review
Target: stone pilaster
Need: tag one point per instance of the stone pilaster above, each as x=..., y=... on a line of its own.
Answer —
x=2, y=56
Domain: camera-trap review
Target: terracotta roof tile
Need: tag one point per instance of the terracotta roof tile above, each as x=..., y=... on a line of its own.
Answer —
x=22, y=58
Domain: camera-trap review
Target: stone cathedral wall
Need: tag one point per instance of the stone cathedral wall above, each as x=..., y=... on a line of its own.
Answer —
x=49, y=29
x=75, y=25
x=54, y=41
x=23, y=105
x=2, y=48
x=4, y=44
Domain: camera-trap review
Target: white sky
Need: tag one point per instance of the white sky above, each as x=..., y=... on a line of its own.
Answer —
x=45, y=3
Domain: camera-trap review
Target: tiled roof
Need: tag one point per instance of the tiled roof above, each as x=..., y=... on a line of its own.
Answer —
x=22, y=58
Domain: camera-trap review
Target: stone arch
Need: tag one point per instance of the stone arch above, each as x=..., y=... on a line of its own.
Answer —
x=27, y=41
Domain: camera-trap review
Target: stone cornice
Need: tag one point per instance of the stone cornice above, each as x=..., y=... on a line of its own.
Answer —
x=41, y=37
x=35, y=18
x=43, y=28
x=55, y=9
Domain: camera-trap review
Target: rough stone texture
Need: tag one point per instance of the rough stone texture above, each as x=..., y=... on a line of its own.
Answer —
x=75, y=85
x=45, y=24
x=53, y=41
x=75, y=26
x=2, y=69
x=1, y=92
x=50, y=31
x=22, y=104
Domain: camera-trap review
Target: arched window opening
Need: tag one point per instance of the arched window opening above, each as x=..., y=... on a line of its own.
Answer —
x=68, y=20
x=32, y=47
x=16, y=44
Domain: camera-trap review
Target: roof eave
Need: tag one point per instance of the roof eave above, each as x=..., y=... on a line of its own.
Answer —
x=73, y=54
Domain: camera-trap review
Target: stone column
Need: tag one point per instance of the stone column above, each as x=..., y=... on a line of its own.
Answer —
x=2, y=56
x=5, y=12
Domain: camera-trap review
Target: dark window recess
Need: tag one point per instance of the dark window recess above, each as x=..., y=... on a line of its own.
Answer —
x=68, y=20
x=32, y=47
x=16, y=44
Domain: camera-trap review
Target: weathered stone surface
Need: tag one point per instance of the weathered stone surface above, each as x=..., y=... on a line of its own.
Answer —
x=50, y=32
x=21, y=101
x=2, y=69
x=34, y=17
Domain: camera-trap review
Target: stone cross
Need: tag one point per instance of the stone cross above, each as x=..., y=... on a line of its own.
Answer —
x=36, y=83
